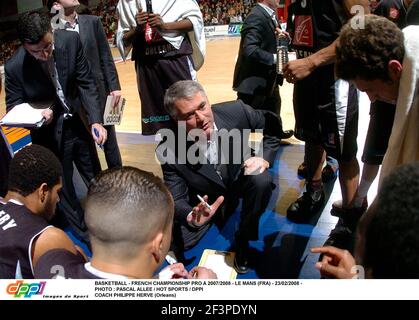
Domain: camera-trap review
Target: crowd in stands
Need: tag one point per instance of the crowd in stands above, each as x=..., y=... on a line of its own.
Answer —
x=6, y=50
x=225, y=11
x=215, y=12
x=107, y=11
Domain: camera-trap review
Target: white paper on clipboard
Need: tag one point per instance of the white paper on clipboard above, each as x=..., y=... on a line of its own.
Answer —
x=221, y=262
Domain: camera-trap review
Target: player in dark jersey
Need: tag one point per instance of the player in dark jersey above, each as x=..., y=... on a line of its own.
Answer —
x=25, y=235
x=394, y=10
x=381, y=122
x=326, y=109
x=129, y=214
x=412, y=16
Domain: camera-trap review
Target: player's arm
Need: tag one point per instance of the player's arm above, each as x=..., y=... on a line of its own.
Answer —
x=52, y=238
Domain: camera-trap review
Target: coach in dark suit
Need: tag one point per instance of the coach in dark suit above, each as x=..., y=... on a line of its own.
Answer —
x=225, y=171
x=255, y=77
x=98, y=54
x=53, y=69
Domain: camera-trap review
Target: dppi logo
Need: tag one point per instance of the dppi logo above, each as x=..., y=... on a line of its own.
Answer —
x=27, y=290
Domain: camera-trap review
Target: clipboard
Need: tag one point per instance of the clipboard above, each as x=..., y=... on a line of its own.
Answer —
x=221, y=262
x=24, y=115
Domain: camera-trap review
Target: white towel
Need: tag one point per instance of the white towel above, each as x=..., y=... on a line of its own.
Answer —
x=170, y=11
x=403, y=146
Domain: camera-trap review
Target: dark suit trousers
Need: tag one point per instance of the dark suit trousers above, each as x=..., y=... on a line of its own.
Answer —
x=263, y=102
x=112, y=154
x=77, y=147
x=254, y=190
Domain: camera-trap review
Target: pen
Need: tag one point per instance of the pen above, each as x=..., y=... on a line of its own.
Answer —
x=97, y=135
x=203, y=201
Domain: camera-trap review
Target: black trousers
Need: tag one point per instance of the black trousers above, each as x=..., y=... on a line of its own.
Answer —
x=255, y=190
x=112, y=154
x=78, y=148
x=262, y=102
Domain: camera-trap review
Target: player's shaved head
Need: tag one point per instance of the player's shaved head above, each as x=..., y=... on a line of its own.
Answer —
x=126, y=207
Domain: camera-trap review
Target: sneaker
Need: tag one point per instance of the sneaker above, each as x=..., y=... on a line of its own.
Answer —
x=307, y=205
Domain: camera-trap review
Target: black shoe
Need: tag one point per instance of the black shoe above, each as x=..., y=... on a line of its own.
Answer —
x=348, y=213
x=240, y=265
x=287, y=134
x=329, y=173
x=342, y=237
x=307, y=205
x=302, y=170
x=241, y=259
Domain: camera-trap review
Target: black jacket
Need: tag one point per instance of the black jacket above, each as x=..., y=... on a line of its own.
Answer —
x=26, y=81
x=255, y=71
x=98, y=53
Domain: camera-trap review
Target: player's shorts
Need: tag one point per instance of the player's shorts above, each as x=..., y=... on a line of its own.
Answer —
x=379, y=131
x=326, y=113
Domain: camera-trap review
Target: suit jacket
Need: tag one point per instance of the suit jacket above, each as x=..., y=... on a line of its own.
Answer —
x=98, y=53
x=26, y=81
x=185, y=181
x=255, y=71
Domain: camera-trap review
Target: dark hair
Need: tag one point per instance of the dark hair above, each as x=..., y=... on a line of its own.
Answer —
x=364, y=53
x=392, y=236
x=32, y=166
x=126, y=206
x=50, y=3
x=32, y=27
x=412, y=15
